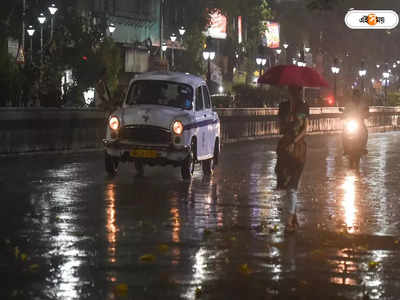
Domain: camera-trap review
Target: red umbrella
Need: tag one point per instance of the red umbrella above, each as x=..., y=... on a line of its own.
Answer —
x=292, y=75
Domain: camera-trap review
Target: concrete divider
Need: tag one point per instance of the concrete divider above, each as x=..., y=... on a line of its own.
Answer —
x=27, y=130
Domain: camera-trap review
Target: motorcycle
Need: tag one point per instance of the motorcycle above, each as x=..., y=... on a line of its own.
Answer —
x=353, y=138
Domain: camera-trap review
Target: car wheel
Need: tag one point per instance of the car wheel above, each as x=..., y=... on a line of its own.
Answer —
x=111, y=164
x=139, y=168
x=209, y=164
x=188, y=164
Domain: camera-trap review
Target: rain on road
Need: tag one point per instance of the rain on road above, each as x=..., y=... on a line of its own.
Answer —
x=69, y=232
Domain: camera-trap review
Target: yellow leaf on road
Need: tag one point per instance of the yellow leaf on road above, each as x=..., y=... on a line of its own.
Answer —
x=244, y=269
x=121, y=289
x=163, y=248
x=24, y=256
x=147, y=257
x=198, y=292
x=34, y=267
x=373, y=264
x=274, y=229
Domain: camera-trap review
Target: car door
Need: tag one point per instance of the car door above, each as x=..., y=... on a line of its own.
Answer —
x=210, y=120
x=200, y=129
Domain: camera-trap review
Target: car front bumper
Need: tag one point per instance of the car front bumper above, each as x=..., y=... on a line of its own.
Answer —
x=166, y=154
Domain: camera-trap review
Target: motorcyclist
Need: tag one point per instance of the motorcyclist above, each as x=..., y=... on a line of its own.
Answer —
x=357, y=108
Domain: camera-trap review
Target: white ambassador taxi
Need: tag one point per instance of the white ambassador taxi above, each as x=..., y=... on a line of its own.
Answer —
x=166, y=119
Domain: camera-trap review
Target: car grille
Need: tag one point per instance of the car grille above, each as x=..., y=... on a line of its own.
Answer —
x=146, y=134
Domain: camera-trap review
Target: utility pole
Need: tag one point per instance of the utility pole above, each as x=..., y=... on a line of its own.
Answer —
x=161, y=26
x=23, y=25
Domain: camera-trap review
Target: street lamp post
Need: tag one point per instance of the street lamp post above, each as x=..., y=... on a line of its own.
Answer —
x=263, y=63
x=335, y=70
x=362, y=72
x=278, y=52
x=173, y=39
x=31, y=32
x=208, y=56
x=258, y=62
x=41, y=20
x=286, y=45
x=182, y=31
x=52, y=9
x=111, y=28
x=163, y=48
x=386, y=76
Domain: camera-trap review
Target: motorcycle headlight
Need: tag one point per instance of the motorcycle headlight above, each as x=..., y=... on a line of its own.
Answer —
x=177, y=127
x=351, y=126
x=114, y=123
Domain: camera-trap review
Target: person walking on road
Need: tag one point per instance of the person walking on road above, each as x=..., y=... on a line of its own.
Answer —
x=292, y=149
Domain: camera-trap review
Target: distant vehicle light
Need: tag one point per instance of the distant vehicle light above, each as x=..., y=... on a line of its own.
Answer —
x=351, y=126
x=114, y=123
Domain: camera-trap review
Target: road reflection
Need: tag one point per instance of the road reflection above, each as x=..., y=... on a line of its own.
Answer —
x=349, y=203
x=66, y=235
x=111, y=219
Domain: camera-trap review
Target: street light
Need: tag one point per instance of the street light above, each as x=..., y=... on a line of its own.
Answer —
x=208, y=56
x=362, y=72
x=261, y=62
x=335, y=70
x=278, y=52
x=286, y=45
x=31, y=32
x=378, y=66
x=111, y=28
x=307, y=49
x=164, y=47
x=386, y=76
x=52, y=9
x=41, y=20
x=182, y=31
x=173, y=39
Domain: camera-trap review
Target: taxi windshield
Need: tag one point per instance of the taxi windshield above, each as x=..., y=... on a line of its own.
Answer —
x=159, y=92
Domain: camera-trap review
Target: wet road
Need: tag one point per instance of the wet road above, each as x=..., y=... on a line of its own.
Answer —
x=69, y=232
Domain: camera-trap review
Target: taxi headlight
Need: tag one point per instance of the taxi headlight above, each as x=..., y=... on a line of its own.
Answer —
x=114, y=123
x=177, y=127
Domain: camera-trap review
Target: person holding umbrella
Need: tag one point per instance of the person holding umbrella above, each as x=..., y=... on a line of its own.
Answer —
x=292, y=149
x=293, y=119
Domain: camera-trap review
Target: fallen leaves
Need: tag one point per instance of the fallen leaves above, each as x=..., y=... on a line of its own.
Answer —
x=163, y=248
x=373, y=264
x=198, y=292
x=274, y=229
x=34, y=267
x=121, y=289
x=245, y=270
x=147, y=258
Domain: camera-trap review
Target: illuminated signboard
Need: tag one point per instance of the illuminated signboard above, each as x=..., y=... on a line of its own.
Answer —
x=217, y=26
x=270, y=35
